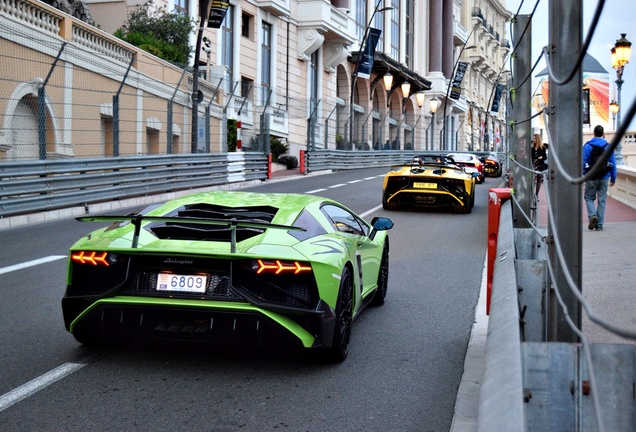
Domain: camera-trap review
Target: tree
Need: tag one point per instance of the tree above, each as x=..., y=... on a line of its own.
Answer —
x=158, y=32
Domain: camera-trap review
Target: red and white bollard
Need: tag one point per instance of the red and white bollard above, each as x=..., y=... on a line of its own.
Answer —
x=239, y=140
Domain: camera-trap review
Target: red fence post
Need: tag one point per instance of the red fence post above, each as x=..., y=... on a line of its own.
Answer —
x=496, y=197
x=302, y=162
x=239, y=139
x=269, y=166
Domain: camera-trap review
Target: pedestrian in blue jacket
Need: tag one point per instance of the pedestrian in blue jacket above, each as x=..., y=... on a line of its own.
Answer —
x=596, y=188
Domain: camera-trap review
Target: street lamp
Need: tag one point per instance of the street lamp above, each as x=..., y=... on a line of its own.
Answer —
x=434, y=104
x=420, y=97
x=354, y=76
x=620, y=57
x=614, y=108
x=406, y=92
x=388, y=84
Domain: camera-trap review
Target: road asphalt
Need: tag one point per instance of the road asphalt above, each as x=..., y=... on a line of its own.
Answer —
x=608, y=273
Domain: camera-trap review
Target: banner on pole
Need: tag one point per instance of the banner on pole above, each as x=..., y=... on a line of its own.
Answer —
x=366, y=62
x=495, y=100
x=218, y=9
x=456, y=88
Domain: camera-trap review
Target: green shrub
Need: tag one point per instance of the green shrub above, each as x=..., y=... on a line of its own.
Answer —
x=290, y=161
x=231, y=136
x=277, y=148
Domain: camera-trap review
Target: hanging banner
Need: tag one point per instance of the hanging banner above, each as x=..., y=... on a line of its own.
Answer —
x=218, y=9
x=495, y=100
x=366, y=62
x=456, y=89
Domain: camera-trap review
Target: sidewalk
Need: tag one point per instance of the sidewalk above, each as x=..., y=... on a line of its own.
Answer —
x=608, y=271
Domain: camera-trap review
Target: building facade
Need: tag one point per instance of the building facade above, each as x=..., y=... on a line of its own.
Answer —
x=288, y=69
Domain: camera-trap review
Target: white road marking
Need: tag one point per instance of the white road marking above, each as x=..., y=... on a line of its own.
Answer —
x=342, y=184
x=37, y=384
x=32, y=263
x=368, y=212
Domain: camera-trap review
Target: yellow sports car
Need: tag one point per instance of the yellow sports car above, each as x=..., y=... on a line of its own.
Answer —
x=429, y=181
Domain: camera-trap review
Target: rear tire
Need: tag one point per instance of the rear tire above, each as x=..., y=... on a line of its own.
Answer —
x=89, y=336
x=383, y=277
x=388, y=205
x=344, y=318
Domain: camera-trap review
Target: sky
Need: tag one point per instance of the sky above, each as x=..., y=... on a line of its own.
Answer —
x=618, y=16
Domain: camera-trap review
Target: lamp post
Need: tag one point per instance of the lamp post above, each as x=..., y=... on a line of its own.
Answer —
x=614, y=108
x=197, y=96
x=406, y=92
x=450, y=80
x=434, y=104
x=620, y=57
x=388, y=85
x=420, y=97
x=354, y=76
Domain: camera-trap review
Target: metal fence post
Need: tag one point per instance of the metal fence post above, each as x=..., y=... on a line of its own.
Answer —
x=521, y=134
x=565, y=131
x=116, y=109
x=42, y=106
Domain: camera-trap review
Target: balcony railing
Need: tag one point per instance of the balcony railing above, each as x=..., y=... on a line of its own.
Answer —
x=332, y=21
x=477, y=13
x=280, y=8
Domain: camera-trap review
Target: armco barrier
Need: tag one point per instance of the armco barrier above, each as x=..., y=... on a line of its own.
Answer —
x=36, y=186
x=496, y=197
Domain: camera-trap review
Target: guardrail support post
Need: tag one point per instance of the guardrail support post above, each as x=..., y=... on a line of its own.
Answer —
x=567, y=137
x=496, y=197
x=302, y=162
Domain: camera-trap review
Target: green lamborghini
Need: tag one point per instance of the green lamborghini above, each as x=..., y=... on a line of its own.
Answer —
x=228, y=267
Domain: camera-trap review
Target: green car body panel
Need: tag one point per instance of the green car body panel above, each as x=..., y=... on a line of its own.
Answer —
x=226, y=238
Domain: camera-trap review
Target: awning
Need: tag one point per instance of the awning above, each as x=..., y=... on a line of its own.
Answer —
x=382, y=64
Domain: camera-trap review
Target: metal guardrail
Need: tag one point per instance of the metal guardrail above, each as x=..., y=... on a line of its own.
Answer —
x=533, y=385
x=41, y=185
x=318, y=160
x=34, y=186
x=501, y=405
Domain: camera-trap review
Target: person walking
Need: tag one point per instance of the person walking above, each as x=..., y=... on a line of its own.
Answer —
x=596, y=188
x=539, y=157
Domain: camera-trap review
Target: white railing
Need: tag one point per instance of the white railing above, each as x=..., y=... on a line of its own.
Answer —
x=42, y=17
x=94, y=41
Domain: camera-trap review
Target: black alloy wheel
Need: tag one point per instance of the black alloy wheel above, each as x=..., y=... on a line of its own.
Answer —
x=344, y=318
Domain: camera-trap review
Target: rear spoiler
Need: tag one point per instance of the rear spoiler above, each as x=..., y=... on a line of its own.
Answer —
x=427, y=164
x=137, y=220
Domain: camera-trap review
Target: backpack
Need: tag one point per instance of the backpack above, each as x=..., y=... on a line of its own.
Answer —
x=595, y=154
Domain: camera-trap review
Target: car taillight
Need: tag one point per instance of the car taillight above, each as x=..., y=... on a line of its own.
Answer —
x=93, y=258
x=278, y=267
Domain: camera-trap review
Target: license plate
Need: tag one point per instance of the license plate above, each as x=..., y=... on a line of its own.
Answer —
x=424, y=185
x=182, y=283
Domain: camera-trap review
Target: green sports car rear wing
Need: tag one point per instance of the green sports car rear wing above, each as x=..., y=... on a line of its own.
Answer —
x=137, y=220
